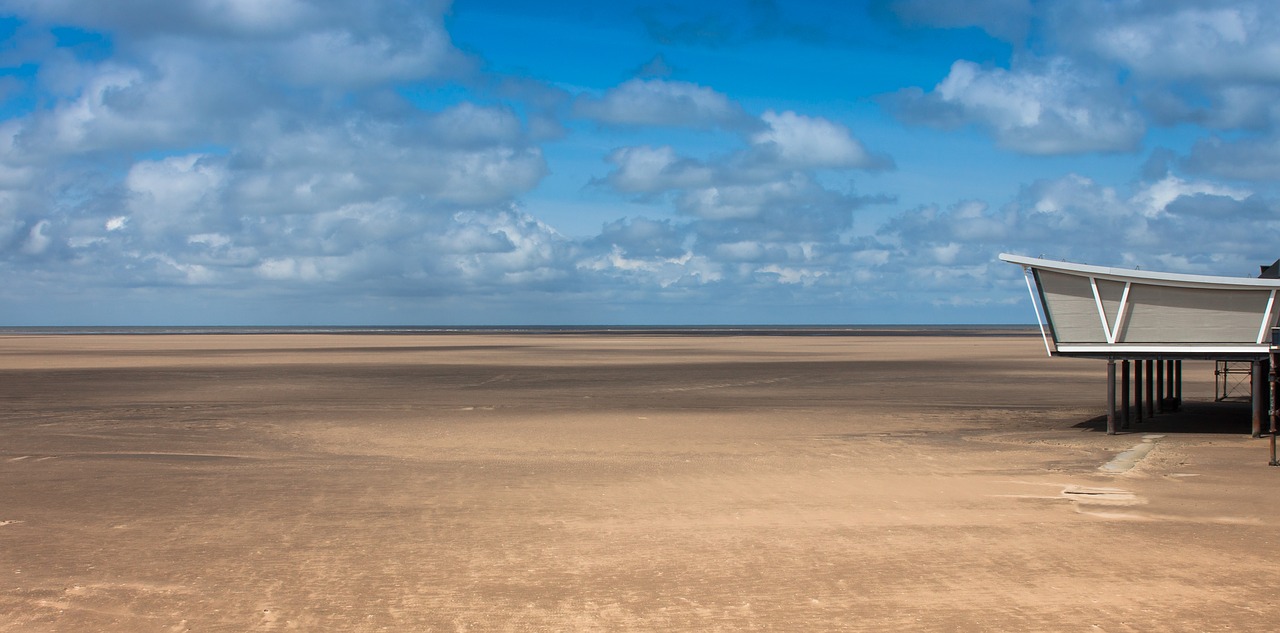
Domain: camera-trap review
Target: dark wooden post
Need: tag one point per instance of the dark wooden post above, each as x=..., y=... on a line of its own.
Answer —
x=1137, y=390
x=1259, y=400
x=1159, y=386
x=1271, y=411
x=1124, y=394
x=1177, y=383
x=1151, y=380
x=1168, y=384
x=1271, y=408
x=1111, y=396
x=1256, y=397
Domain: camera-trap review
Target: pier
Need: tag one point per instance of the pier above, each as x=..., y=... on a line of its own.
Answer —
x=1147, y=323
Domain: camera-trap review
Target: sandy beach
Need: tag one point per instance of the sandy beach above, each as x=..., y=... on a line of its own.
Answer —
x=504, y=482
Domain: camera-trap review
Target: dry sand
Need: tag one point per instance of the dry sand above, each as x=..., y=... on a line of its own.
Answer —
x=517, y=483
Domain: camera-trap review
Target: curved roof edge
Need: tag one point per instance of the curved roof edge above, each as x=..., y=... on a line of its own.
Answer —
x=1152, y=277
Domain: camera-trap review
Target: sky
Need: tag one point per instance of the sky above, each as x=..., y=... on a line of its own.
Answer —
x=495, y=162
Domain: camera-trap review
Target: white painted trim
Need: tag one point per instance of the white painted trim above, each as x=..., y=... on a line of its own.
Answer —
x=1035, y=306
x=1266, y=318
x=1122, y=313
x=1243, y=348
x=1143, y=276
x=1102, y=312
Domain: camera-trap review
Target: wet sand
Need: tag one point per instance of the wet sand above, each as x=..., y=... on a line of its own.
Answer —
x=563, y=482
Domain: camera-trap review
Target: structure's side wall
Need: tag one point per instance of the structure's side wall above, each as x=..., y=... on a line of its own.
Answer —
x=1071, y=308
x=1167, y=314
x=1146, y=314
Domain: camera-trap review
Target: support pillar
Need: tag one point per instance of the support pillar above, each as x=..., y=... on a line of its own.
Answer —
x=1151, y=380
x=1259, y=400
x=1271, y=411
x=1124, y=394
x=1168, y=385
x=1137, y=390
x=1111, y=396
x=1160, y=386
x=1177, y=383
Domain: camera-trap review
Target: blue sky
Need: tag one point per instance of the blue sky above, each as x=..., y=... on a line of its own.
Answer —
x=274, y=162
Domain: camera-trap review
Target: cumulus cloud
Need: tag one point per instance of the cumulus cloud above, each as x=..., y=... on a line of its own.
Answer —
x=663, y=102
x=523, y=253
x=1051, y=108
x=798, y=205
x=286, y=170
x=157, y=17
x=1091, y=76
x=949, y=253
x=1213, y=65
x=758, y=217
x=1226, y=42
x=221, y=145
x=647, y=170
x=305, y=149
x=38, y=239
x=1076, y=218
x=1255, y=159
x=175, y=192
x=341, y=44
x=339, y=57
x=643, y=238
x=801, y=142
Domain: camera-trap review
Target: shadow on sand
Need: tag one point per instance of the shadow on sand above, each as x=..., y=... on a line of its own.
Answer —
x=1229, y=418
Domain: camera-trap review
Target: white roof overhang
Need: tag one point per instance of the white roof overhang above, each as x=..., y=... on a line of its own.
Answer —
x=1100, y=311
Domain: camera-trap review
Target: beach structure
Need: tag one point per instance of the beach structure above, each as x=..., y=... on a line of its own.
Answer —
x=1153, y=321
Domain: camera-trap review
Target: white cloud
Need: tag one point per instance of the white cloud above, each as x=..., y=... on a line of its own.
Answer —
x=745, y=251
x=469, y=125
x=324, y=148
x=90, y=122
x=173, y=97
x=285, y=170
x=730, y=202
x=255, y=15
x=792, y=275
x=1236, y=41
x=1051, y=108
x=150, y=17
x=802, y=142
x=1078, y=219
x=645, y=169
x=664, y=272
x=661, y=102
x=38, y=239
x=292, y=269
x=174, y=192
x=341, y=58
x=1155, y=198
x=535, y=256
x=484, y=177
x=757, y=216
x=1247, y=158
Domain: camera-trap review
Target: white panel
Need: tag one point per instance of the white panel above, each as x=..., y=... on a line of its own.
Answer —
x=1165, y=314
x=1071, y=308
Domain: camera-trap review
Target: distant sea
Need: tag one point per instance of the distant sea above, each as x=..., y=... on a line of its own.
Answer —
x=651, y=330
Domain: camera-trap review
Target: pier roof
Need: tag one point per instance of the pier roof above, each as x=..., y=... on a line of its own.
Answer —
x=1106, y=312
